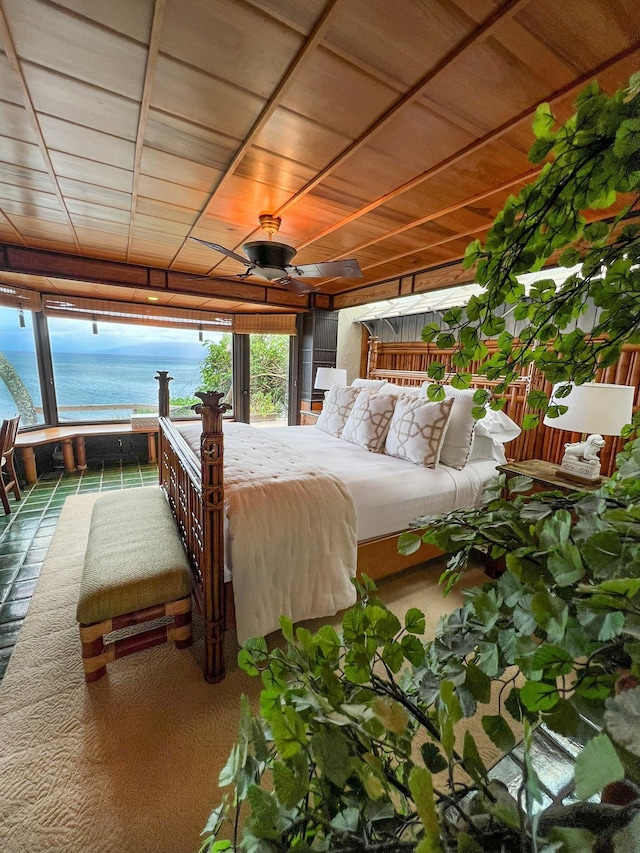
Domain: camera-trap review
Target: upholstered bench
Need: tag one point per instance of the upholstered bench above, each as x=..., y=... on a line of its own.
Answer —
x=135, y=570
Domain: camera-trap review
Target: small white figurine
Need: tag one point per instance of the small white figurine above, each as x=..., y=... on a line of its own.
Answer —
x=581, y=458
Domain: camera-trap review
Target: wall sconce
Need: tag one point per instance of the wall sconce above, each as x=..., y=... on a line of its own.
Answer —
x=21, y=320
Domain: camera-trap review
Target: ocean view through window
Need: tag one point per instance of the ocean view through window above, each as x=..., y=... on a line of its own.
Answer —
x=110, y=375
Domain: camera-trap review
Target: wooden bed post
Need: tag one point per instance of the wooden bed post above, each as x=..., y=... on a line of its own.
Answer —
x=163, y=393
x=211, y=453
x=372, y=357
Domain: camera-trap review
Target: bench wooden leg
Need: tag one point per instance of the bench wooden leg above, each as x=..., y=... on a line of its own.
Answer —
x=29, y=462
x=96, y=654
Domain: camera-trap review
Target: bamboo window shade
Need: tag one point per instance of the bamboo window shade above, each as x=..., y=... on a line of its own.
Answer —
x=17, y=297
x=159, y=315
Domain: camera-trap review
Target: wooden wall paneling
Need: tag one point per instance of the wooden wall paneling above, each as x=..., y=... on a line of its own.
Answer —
x=91, y=172
x=163, y=210
x=171, y=193
x=86, y=142
x=24, y=154
x=178, y=170
x=91, y=200
x=315, y=143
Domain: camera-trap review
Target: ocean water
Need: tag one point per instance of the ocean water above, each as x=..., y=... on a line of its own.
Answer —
x=83, y=381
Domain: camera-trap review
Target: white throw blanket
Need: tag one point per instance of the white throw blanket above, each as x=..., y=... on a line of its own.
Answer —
x=291, y=531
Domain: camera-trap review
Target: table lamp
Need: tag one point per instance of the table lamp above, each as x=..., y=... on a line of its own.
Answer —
x=326, y=377
x=593, y=409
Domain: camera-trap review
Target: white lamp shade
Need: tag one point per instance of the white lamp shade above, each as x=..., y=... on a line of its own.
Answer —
x=593, y=408
x=327, y=377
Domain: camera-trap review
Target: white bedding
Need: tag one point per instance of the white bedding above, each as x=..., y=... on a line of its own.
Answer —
x=389, y=492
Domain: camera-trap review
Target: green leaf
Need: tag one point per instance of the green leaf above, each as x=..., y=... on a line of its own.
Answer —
x=563, y=718
x=539, y=696
x=478, y=684
x=331, y=752
x=264, y=813
x=414, y=621
x=290, y=788
x=553, y=660
x=471, y=760
x=436, y=371
x=543, y=121
x=347, y=820
x=622, y=719
x=596, y=766
x=421, y=787
x=288, y=732
x=391, y=714
x=499, y=732
x=409, y=543
x=550, y=613
x=487, y=658
x=433, y=759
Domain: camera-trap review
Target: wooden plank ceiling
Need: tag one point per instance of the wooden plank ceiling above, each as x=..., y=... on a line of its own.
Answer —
x=389, y=132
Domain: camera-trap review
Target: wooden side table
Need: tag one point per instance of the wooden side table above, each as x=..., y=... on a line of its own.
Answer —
x=308, y=418
x=545, y=476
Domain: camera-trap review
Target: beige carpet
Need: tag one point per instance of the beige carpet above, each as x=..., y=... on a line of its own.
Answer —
x=128, y=764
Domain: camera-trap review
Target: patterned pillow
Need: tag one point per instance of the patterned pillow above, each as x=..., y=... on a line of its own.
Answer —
x=459, y=438
x=338, y=402
x=369, y=420
x=418, y=429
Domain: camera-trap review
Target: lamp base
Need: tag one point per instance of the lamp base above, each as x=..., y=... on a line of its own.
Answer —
x=587, y=473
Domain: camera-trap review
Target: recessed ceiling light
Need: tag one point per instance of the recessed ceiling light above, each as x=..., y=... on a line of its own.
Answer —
x=153, y=298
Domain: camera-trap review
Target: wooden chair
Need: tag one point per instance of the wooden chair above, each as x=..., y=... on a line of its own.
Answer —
x=8, y=477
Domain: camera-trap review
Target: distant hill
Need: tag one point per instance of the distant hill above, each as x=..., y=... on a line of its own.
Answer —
x=191, y=351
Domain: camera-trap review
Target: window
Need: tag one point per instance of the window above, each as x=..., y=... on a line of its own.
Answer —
x=105, y=371
x=268, y=380
x=19, y=382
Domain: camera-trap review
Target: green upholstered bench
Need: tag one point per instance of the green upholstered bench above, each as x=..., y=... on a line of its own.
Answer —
x=135, y=570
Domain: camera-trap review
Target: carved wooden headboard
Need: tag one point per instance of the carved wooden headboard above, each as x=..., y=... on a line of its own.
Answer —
x=406, y=363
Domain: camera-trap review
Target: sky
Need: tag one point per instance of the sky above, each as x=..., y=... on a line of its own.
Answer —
x=76, y=336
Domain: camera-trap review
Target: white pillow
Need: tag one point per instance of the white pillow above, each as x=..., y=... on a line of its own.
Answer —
x=417, y=430
x=396, y=390
x=484, y=448
x=369, y=420
x=459, y=437
x=498, y=426
x=371, y=384
x=338, y=402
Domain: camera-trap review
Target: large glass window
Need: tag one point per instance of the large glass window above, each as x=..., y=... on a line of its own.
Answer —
x=19, y=382
x=105, y=371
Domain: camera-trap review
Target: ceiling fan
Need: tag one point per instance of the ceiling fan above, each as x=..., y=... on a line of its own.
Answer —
x=272, y=261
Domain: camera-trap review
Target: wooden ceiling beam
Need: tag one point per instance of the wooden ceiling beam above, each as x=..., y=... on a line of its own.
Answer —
x=460, y=155
x=149, y=76
x=274, y=102
x=16, y=69
x=56, y=265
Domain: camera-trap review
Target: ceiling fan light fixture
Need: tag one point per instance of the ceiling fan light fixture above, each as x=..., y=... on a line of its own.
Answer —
x=269, y=223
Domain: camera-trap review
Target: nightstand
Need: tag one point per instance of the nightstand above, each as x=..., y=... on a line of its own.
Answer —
x=308, y=418
x=545, y=476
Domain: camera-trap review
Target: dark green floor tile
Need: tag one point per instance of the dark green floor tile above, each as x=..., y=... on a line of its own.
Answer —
x=35, y=554
x=14, y=546
x=10, y=562
x=6, y=575
x=29, y=571
x=11, y=611
x=4, y=591
x=21, y=590
x=5, y=654
x=9, y=633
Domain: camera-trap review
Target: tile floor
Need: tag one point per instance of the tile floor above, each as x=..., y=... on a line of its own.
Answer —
x=26, y=532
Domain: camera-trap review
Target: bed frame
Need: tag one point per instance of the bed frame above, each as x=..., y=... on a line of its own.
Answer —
x=196, y=496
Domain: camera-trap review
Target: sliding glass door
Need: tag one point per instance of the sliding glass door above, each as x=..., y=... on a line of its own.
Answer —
x=268, y=380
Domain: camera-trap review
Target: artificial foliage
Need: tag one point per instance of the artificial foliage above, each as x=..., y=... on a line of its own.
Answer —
x=592, y=173
x=357, y=744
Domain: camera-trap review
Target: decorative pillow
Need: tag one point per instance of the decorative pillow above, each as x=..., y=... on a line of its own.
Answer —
x=417, y=430
x=370, y=384
x=369, y=420
x=338, y=402
x=396, y=390
x=459, y=438
x=498, y=426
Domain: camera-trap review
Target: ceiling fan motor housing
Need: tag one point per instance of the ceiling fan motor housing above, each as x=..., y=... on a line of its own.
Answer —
x=272, y=258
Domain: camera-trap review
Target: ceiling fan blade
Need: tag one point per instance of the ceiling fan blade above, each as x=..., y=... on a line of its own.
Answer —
x=224, y=251
x=300, y=288
x=329, y=269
